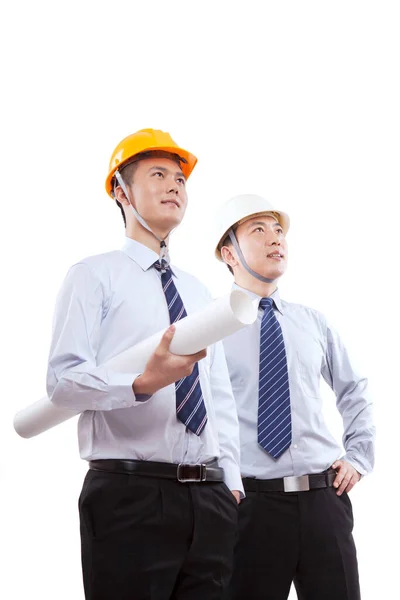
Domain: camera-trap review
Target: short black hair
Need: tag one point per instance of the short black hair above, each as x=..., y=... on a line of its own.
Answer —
x=127, y=172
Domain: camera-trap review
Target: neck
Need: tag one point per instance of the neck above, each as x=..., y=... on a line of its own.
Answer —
x=136, y=231
x=250, y=283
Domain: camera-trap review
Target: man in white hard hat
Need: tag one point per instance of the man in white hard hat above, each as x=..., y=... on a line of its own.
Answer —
x=295, y=524
x=158, y=508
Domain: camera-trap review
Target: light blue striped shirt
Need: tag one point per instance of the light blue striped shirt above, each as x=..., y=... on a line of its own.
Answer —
x=107, y=304
x=313, y=349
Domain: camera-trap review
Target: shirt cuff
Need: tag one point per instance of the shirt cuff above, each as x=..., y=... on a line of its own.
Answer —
x=354, y=463
x=139, y=398
x=232, y=476
x=142, y=397
x=120, y=391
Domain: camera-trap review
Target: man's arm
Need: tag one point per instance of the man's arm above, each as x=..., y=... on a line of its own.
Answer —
x=227, y=420
x=74, y=380
x=353, y=402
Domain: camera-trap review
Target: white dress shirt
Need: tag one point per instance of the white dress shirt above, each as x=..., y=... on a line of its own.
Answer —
x=312, y=349
x=107, y=304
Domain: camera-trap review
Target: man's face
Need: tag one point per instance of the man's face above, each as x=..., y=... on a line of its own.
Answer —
x=159, y=192
x=263, y=245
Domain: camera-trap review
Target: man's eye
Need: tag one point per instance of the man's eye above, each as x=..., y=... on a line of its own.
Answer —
x=159, y=173
x=259, y=229
x=181, y=180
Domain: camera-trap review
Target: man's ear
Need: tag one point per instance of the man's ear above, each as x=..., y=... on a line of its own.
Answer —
x=228, y=257
x=120, y=196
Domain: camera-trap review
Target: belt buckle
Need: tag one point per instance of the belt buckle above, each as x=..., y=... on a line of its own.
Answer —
x=296, y=484
x=180, y=474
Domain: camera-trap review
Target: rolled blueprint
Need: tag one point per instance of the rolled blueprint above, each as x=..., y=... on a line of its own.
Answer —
x=214, y=322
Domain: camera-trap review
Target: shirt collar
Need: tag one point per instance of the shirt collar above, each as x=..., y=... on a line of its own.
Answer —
x=141, y=254
x=275, y=296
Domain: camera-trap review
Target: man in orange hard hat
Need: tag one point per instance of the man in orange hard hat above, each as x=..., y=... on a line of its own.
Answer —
x=158, y=507
x=295, y=524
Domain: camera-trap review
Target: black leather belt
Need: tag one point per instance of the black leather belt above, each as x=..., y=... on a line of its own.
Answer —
x=302, y=483
x=180, y=472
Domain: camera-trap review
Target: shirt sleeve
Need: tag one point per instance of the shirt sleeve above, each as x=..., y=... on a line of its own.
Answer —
x=353, y=402
x=227, y=420
x=74, y=380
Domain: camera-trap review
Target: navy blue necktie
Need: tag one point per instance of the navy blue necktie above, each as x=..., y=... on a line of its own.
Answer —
x=274, y=417
x=190, y=407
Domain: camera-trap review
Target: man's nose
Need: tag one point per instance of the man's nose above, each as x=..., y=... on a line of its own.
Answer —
x=172, y=186
x=273, y=239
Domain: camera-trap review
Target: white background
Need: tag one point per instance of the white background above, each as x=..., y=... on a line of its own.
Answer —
x=298, y=101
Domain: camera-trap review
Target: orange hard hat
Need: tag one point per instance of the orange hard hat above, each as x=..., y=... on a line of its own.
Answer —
x=146, y=140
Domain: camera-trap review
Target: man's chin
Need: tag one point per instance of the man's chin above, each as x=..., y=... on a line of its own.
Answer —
x=274, y=274
x=165, y=226
x=170, y=224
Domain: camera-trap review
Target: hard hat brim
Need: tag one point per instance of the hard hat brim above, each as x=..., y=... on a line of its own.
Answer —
x=187, y=166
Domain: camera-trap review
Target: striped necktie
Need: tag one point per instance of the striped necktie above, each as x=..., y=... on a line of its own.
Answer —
x=274, y=417
x=190, y=406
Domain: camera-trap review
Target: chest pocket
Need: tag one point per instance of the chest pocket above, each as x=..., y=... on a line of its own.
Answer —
x=309, y=364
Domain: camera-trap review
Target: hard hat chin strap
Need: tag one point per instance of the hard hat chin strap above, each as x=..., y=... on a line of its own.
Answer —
x=163, y=245
x=234, y=241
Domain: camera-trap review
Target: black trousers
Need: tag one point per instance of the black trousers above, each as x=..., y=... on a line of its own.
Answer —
x=302, y=537
x=146, y=538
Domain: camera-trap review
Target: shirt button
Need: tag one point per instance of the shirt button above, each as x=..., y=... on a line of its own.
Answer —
x=294, y=446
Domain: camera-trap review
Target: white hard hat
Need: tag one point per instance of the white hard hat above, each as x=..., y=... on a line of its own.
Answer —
x=240, y=209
